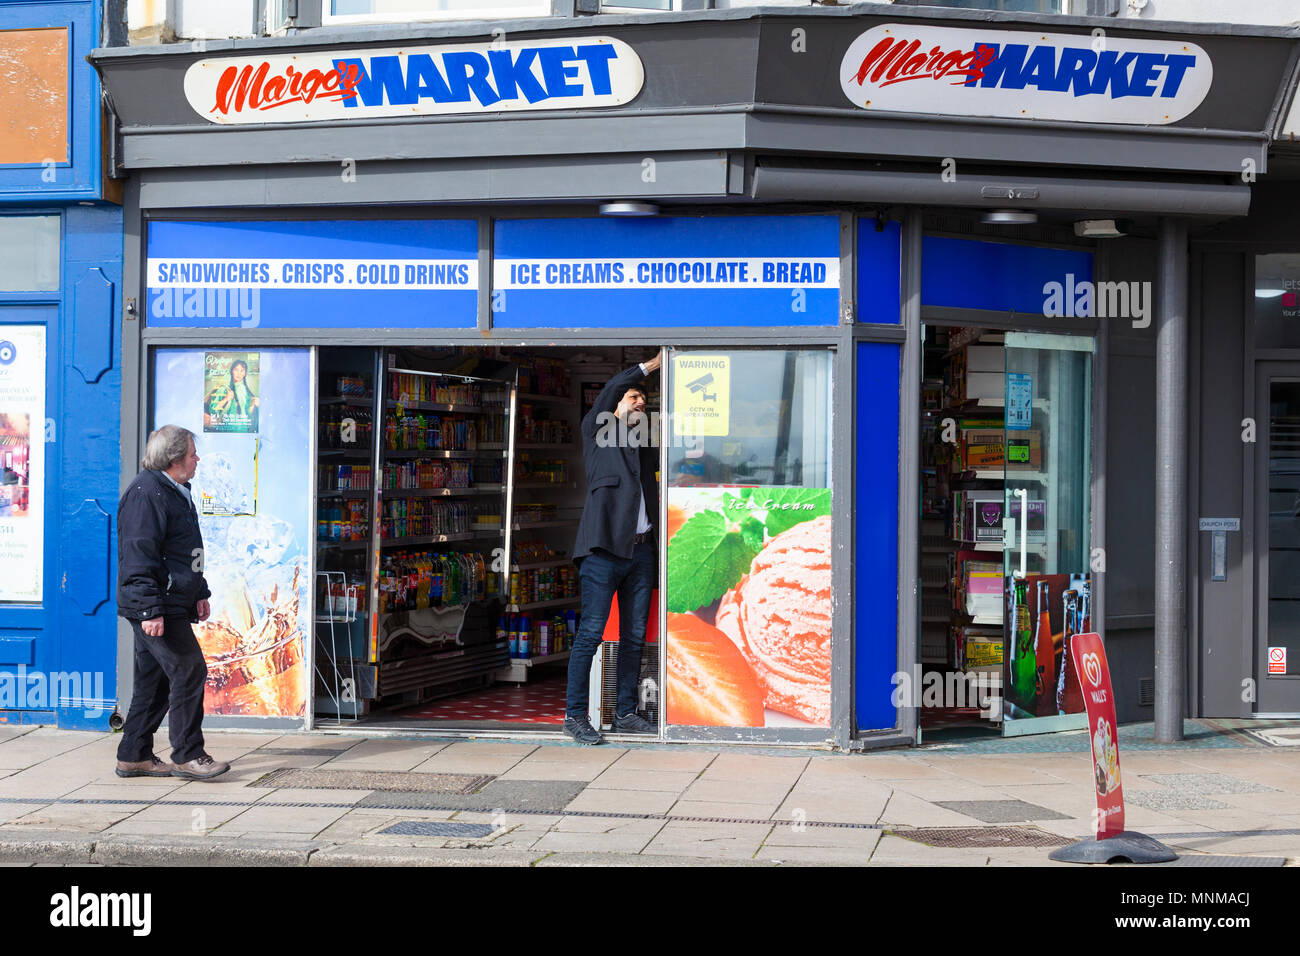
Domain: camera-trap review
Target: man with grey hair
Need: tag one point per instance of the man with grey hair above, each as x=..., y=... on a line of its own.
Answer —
x=161, y=591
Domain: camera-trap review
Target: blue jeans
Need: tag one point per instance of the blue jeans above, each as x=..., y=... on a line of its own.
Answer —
x=602, y=576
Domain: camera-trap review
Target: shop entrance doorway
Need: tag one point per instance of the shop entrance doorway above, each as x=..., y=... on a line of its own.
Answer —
x=1277, y=516
x=449, y=486
x=1005, y=510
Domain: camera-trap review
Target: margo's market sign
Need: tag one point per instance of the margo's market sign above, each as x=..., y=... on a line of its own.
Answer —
x=416, y=80
x=1043, y=76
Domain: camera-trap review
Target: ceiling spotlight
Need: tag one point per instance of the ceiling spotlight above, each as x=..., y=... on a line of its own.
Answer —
x=1009, y=217
x=629, y=209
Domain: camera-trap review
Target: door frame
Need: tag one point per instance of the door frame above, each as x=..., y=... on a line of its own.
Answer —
x=1267, y=371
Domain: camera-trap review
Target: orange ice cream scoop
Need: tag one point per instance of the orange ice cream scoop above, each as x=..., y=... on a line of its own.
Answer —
x=779, y=615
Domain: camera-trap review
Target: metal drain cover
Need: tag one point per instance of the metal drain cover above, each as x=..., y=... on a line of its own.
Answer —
x=302, y=779
x=981, y=838
x=438, y=828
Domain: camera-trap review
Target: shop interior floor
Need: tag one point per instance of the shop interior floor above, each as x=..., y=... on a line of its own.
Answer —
x=537, y=702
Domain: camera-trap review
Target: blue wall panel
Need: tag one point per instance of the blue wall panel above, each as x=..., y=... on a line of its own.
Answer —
x=1001, y=276
x=89, y=450
x=880, y=256
x=875, y=578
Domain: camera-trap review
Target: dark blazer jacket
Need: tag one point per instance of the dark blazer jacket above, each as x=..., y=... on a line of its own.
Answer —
x=616, y=477
x=159, y=552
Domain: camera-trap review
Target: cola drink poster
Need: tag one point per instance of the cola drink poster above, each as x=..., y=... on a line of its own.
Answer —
x=1089, y=658
x=256, y=534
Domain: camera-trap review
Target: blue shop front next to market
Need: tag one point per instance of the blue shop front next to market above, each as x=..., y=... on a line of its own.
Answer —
x=60, y=374
x=891, y=329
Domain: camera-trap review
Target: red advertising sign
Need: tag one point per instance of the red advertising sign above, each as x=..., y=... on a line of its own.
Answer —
x=1094, y=675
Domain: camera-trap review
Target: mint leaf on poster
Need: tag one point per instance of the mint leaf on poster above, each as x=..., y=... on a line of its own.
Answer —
x=787, y=507
x=751, y=529
x=706, y=558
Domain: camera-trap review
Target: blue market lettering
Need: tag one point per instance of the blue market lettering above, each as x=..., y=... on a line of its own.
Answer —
x=487, y=78
x=1081, y=71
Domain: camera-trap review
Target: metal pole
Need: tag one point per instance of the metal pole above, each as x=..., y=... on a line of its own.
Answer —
x=909, y=457
x=1171, y=483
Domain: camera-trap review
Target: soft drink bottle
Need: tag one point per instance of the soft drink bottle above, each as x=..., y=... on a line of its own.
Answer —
x=1045, y=654
x=1069, y=692
x=1023, y=662
x=525, y=637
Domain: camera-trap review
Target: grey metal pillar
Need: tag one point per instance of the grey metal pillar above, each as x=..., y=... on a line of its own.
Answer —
x=1171, y=482
x=909, y=457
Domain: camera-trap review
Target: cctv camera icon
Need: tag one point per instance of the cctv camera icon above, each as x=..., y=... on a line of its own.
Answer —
x=8, y=352
x=698, y=386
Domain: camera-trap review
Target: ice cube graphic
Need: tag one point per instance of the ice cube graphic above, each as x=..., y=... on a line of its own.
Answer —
x=217, y=477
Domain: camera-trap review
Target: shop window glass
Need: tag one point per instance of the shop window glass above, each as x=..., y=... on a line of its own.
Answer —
x=1277, y=301
x=775, y=424
x=29, y=253
x=354, y=10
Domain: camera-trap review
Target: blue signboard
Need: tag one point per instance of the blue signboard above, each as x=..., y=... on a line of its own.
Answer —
x=666, y=272
x=306, y=274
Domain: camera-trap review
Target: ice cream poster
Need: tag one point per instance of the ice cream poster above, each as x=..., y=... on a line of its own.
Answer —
x=748, y=640
x=257, y=565
x=22, y=462
x=231, y=391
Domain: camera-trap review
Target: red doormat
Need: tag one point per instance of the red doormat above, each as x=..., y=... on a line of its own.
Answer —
x=537, y=702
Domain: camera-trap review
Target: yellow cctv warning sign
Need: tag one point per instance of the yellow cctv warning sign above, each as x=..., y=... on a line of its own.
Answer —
x=702, y=394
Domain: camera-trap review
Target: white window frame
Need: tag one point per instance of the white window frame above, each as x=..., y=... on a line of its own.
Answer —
x=615, y=7
x=537, y=8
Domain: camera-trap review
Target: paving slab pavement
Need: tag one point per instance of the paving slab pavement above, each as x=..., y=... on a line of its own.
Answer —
x=552, y=803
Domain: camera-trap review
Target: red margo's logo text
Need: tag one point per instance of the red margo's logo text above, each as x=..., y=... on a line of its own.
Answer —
x=895, y=60
x=240, y=86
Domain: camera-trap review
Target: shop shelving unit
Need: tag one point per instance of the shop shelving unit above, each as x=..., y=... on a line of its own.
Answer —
x=388, y=656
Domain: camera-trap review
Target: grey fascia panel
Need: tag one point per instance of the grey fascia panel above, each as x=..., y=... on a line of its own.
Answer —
x=155, y=147
x=728, y=128
x=677, y=175
x=984, y=141
x=786, y=184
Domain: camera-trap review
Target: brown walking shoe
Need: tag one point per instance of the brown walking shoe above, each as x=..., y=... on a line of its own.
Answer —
x=201, y=767
x=153, y=767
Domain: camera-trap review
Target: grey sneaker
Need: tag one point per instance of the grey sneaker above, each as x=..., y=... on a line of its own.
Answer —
x=633, y=723
x=153, y=767
x=201, y=767
x=580, y=729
